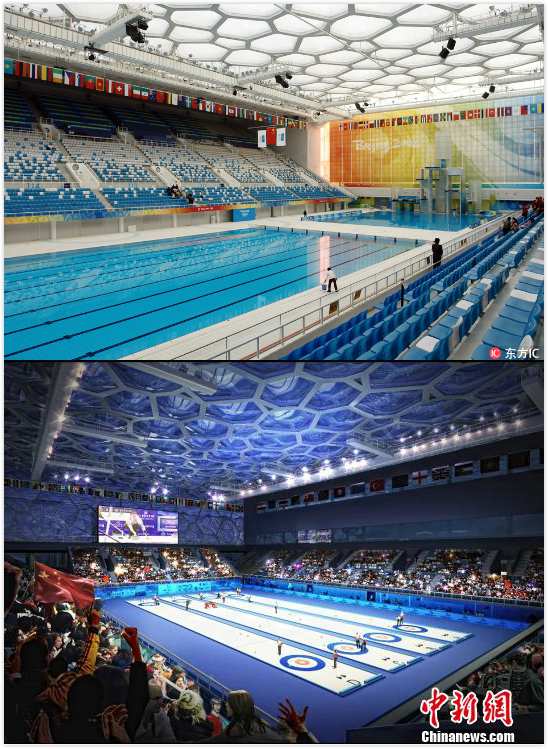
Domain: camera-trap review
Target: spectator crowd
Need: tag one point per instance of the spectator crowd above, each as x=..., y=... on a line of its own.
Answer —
x=71, y=676
x=462, y=572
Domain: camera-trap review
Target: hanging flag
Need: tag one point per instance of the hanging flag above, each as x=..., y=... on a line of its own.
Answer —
x=400, y=482
x=34, y=71
x=44, y=73
x=464, y=469
x=441, y=473
x=161, y=97
x=89, y=82
x=261, y=138
x=523, y=109
x=99, y=84
x=280, y=136
x=8, y=66
x=230, y=111
x=58, y=75
x=419, y=477
x=271, y=136
x=26, y=70
x=144, y=94
x=53, y=586
x=377, y=485
x=174, y=99
x=70, y=78
x=17, y=68
x=136, y=92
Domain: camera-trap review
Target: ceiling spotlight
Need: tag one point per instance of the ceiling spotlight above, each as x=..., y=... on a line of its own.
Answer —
x=444, y=54
x=66, y=476
x=289, y=76
x=485, y=95
x=235, y=92
x=492, y=89
x=451, y=44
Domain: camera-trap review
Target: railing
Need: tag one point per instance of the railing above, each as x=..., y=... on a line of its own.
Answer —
x=408, y=591
x=167, y=580
x=287, y=327
x=211, y=686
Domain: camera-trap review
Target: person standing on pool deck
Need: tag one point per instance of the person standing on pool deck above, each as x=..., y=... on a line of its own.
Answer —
x=276, y=607
x=399, y=620
x=279, y=644
x=187, y=604
x=363, y=645
x=335, y=658
x=437, y=252
x=357, y=639
x=331, y=278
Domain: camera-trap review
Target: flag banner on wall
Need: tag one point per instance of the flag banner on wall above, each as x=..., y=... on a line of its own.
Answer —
x=419, y=477
x=280, y=136
x=38, y=71
x=464, y=469
x=261, y=138
x=271, y=136
x=400, y=482
x=377, y=485
x=441, y=473
x=490, y=465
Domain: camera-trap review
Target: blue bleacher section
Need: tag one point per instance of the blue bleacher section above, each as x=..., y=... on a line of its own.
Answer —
x=76, y=117
x=142, y=124
x=317, y=192
x=271, y=194
x=39, y=200
x=28, y=157
x=520, y=316
x=442, y=296
x=109, y=170
x=137, y=198
x=17, y=112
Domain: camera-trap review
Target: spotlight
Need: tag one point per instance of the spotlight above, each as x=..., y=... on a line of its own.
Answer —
x=492, y=89
x=235, y=92
x=359, y=107
x=485, y=95
x=444, y=54
x=283, y=83
x=451, y=44
x=142, y=24
x=91, y=57
x=289, y=76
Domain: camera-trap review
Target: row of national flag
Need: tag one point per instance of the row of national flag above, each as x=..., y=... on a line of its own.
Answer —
x=476, y=113
x=38, y=72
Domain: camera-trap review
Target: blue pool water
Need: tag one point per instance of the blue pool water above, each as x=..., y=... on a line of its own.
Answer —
x=109, y=302
x=406, y=219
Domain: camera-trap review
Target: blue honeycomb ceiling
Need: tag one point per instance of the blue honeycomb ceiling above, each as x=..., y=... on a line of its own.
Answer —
x=155, y=423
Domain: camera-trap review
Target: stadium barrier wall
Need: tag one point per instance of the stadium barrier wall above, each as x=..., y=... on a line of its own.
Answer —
x=145, y=590
x=493, y=608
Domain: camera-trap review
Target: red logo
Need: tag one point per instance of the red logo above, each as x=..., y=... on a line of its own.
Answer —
x=495, y=352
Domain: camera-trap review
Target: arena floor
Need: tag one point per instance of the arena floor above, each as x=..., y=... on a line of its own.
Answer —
x=235, y=642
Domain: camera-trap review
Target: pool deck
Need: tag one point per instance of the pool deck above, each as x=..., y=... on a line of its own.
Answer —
x=209, y=343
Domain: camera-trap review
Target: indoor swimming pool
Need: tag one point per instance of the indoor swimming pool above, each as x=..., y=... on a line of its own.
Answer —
x=406, y=219
x=110, y=302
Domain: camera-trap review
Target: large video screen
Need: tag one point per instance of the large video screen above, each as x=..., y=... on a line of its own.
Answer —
x=119, y=525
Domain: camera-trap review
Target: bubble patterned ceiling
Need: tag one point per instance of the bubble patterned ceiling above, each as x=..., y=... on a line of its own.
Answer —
x=378, y=51
x=192, y=427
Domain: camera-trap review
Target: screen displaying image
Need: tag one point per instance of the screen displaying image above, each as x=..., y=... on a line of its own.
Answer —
x=137, y=526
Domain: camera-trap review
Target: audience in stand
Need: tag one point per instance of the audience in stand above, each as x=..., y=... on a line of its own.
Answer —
x=75, y=688
x=135, y=565
x=439, y=571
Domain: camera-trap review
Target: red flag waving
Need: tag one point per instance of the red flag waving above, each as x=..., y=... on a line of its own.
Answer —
x=52, y=586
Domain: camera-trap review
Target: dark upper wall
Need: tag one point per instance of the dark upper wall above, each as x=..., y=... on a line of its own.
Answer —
x=38, y=516
x=502, y=506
